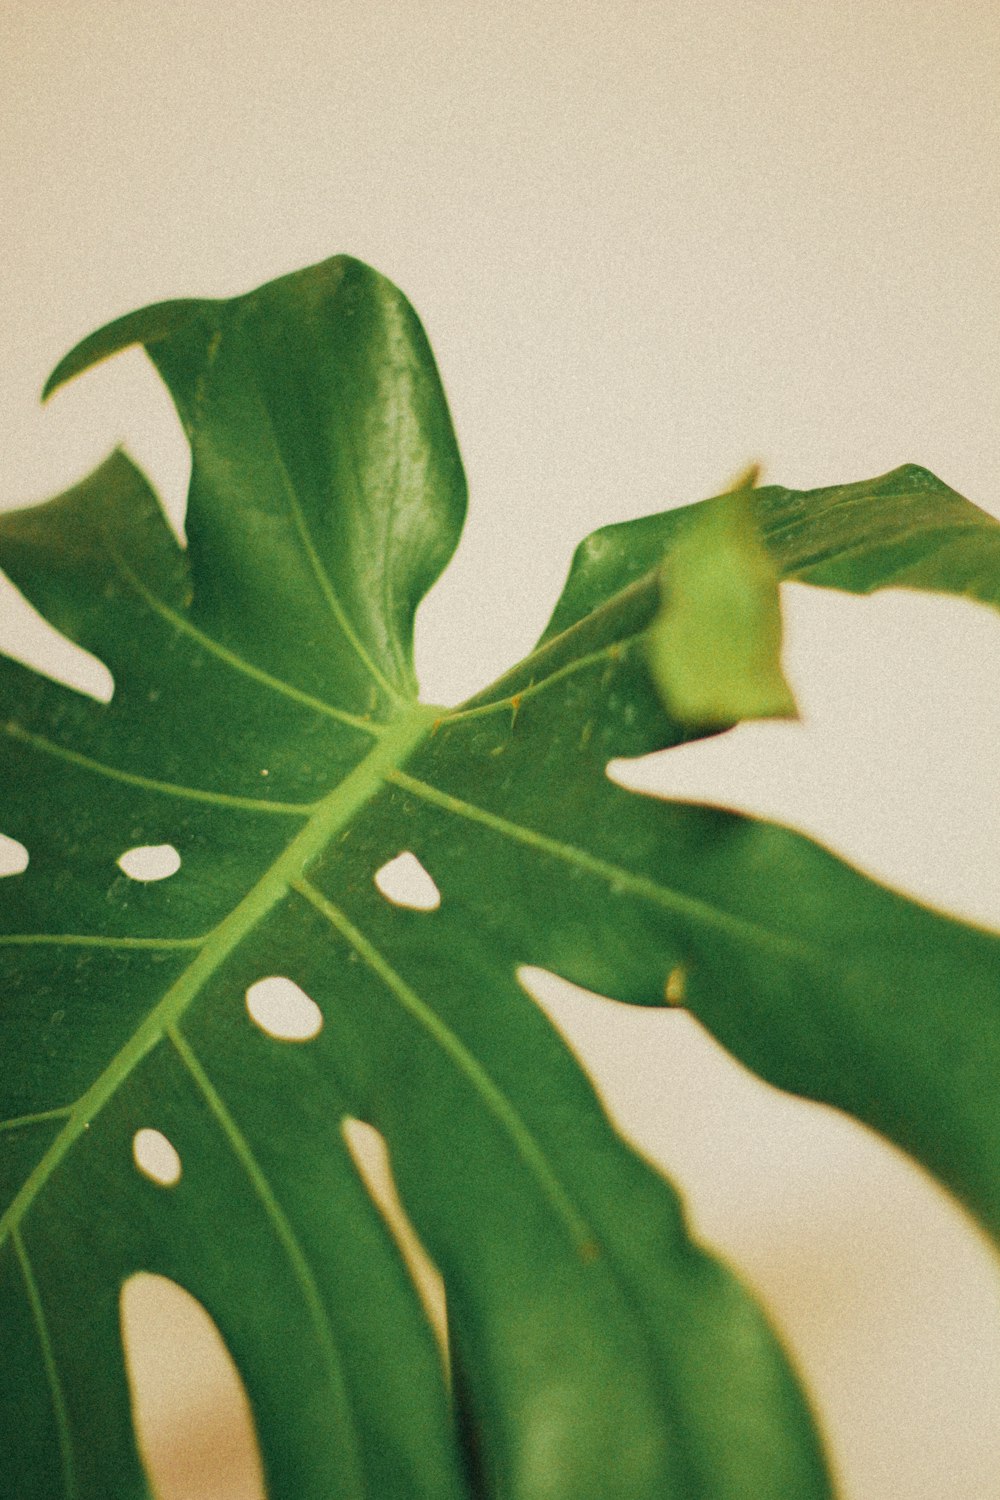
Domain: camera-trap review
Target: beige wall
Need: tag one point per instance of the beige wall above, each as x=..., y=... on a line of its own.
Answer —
x=649, y=242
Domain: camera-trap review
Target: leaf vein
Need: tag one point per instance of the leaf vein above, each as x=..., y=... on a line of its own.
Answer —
x=20, y=1122
x=452, y=1046
x=93, y=940
x=367, y=778
x=319, y=570
x=231, y=658
x=617, y=876
x=18, y=732
x=581, y=663
x=287, y=1238
x=59, y=1408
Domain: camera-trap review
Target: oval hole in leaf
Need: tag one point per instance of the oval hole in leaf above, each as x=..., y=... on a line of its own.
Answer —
x=13, y=856
x=190, y=1410
x=405, y=882
x=150, y=862
x=283, y=1010
x=371, y=1157
x=156, y=1157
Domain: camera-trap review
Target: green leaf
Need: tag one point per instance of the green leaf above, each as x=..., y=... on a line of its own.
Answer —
x=320, y=383
x=715, y=645
x=822, y=981
x=903, y=530
x=265, y=724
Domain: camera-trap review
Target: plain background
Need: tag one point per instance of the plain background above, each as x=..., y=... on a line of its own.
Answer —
x=649, y=242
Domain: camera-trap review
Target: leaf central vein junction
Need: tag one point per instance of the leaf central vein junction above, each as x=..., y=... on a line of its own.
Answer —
x=331, y=814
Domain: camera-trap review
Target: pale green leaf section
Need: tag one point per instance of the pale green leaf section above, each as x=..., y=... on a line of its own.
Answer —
x=715, y=645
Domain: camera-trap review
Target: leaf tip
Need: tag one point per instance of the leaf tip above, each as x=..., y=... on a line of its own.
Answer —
x=747, y=479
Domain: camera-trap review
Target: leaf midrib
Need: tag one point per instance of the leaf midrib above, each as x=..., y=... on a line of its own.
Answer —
x=398, y=740
x=318, y=568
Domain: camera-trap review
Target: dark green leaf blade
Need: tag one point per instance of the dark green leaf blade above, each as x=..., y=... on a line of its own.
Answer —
x=264, y=722
x=327, y=492
x=820, y=979
x=904, y=529
x=208, y=746
x=245, y=730
x=669, y=1380
x=902, y=1028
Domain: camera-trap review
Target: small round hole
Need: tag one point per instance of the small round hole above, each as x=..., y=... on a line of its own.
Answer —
x=283, y=1010
x=13, y=856
x=150, y=862
x=156, y=1158
x=405, y=882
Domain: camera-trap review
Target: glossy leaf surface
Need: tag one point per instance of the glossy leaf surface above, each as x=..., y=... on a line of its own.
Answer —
x=265, y=725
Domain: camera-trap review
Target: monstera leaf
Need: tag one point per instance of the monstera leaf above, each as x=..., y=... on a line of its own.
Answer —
x=265, y=725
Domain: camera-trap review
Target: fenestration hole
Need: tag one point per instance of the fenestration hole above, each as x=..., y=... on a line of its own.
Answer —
x=13, y=856
x=192, y=1419
x=371, y=1158
x=284, y=1010
x=405, y=882
x=150, y=862
x=31, y=639
x=156, y=1157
